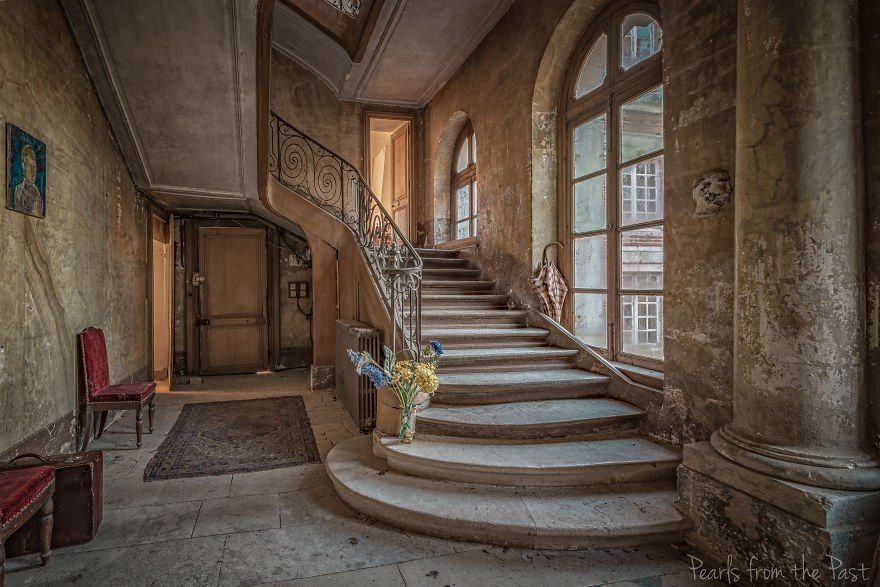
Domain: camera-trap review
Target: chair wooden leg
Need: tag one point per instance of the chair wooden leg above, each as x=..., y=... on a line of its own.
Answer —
x=102, y=425
x=2, y=564
x=139, y=424
x=152, y=412
x=46, y=522
x=87, y=427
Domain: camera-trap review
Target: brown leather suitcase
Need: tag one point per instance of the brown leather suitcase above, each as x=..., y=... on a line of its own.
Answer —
x=78, y=500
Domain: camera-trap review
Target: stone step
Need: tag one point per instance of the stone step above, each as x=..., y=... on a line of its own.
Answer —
x=532, y=420
x=472, y=318
x=493, y=387
x=458, y=337
x=515, y=358
x=552, y=464
x=437, y=253
x=546, y=518
x=449, y=303
x=445, y=263
x=457, y=286
x=450, y=273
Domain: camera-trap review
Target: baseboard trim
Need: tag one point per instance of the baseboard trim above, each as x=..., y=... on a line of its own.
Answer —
x=59, y=437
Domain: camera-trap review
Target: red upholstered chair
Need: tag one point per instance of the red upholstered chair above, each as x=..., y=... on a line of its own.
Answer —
x=103, y=397
x=23, y=493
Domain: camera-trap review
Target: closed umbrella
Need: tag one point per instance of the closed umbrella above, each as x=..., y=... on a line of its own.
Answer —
x=550, y=285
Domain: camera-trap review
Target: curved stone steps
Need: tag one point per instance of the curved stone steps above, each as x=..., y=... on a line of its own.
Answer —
x=460, y=337
x=450, y=273
x=457, y=286
x=545, y=518
x=445, y=262
x=492, y=387
x=552, y=464
x=472, y=318
x=447, y=303
x=507, y=358
x=532, y=420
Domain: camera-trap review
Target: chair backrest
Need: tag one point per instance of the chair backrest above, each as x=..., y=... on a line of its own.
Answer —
x=94, y=357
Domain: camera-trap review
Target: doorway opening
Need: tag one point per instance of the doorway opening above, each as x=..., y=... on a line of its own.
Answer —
x=160, y=286
x=389, y=165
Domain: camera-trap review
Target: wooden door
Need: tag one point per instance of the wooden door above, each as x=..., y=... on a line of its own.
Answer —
x=232, y=300
x=400, y=173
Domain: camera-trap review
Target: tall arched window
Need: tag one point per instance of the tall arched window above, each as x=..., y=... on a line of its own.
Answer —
x=464, y=185
x=612, y=210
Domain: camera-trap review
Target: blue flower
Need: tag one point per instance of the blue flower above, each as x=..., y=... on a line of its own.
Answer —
x=377, y=376
x=436, y=347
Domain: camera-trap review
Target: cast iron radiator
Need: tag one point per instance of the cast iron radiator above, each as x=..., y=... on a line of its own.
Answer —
x=357, y=393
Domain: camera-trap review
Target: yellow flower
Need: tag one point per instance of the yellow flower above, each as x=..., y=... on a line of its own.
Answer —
x=425, y=378
x=403, y=372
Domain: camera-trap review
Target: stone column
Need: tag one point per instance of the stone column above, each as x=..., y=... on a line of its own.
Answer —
x=799, y=405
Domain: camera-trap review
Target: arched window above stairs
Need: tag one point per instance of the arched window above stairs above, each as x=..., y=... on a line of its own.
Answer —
x=611, y=199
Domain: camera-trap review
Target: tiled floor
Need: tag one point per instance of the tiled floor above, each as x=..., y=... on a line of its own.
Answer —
x=287, y=526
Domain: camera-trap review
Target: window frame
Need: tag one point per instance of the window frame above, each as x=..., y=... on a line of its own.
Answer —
x=619, y=87
x=464, y=178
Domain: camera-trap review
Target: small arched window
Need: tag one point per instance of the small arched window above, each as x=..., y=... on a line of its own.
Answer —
x=613, y=193
x=464, y=185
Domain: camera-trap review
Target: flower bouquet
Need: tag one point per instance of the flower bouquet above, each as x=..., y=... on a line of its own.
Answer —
x=412, y=382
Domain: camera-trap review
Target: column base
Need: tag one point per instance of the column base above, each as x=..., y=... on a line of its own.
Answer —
x=856, y=472
x=322, y=377
x=744, y=519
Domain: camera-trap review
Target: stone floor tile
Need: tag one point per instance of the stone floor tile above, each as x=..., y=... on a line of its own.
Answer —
x=134, y=492
x=318, y=549
x=143, y=525
x=279, y=480
x=385, y=576
x=314, y=504
x=238, y=514
x=192, y=562
x=501, y=567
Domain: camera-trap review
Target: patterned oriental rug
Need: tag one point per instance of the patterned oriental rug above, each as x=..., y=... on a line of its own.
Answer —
x=220, y=438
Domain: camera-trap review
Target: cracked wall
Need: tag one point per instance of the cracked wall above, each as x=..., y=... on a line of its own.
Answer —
x=86, y=262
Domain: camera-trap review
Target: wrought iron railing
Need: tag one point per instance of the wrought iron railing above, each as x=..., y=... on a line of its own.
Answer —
x=347, y=7
x=316, y=173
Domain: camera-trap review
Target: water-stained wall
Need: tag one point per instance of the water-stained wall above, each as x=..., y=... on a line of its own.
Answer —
x=86, y=262
x=509, y=88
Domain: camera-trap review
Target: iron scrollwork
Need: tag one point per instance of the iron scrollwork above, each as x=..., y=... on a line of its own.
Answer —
x=348, y=7
x=319, y=175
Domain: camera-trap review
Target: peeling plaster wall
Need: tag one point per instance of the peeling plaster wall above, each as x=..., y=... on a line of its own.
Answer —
x=295, y=335
x=496, y=88
x=86, y=262
x=303, y=100
x=871, y=137
x=699, y=75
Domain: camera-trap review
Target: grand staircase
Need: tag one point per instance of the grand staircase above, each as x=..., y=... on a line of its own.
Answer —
x=519, y=447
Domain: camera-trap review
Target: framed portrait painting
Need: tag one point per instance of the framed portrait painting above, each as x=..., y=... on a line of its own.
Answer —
x=25, y=172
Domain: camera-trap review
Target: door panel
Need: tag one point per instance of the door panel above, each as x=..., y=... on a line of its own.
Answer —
x=232, y=300
x=400, y=170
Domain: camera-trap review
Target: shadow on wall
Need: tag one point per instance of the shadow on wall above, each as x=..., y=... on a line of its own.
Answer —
x=442, y=176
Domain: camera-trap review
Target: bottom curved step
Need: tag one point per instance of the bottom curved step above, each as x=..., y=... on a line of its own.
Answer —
x=546, y=518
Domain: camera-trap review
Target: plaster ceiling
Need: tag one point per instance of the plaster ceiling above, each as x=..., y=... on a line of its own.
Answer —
x=413, y=50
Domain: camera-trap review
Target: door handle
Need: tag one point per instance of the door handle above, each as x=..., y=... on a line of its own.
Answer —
x=204, y=321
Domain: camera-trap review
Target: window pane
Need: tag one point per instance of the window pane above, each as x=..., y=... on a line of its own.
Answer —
x=641, y=192
x=462, y=203
x=642, y=334
x=640, y=37
x=589, y=204
x=461, y=157
x=590, y=319
x=592, y=72
x=589, y=262
x=462, y=229
x=641, y=258
x=641, y=125
x=588, y=148
x=474, y=199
